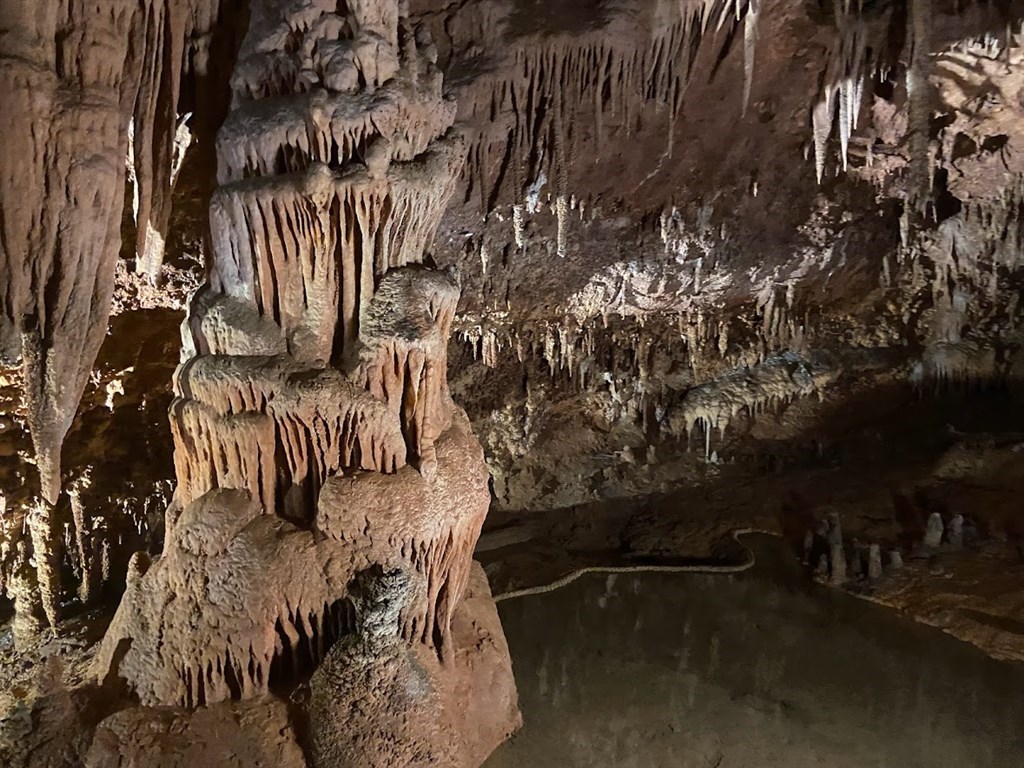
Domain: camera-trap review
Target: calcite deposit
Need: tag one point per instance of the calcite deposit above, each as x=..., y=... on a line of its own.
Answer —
x=316, y=442
x=688, y=268
x=82, y=83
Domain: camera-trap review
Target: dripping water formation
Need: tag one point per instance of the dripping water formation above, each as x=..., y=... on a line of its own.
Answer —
x=603, y=382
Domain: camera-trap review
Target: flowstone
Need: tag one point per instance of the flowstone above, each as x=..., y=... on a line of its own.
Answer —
x=330, y=493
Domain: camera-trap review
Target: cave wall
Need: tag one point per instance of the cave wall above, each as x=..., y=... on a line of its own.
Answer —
x=677, y=224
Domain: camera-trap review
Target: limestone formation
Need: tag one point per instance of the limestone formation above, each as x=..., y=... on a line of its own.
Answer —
x=933, y=533
x=376, y=700
x=316, y=442
x=81, y=83
x=956, y=532
x=857, y=563
x=229, y=735
x=694, y=256
x=593, y=79
x=837, y=564
x=808, y=546
x=874, y=562
x=835, y=529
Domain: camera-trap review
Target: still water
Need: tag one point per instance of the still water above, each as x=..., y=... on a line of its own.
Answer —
x=757, y=670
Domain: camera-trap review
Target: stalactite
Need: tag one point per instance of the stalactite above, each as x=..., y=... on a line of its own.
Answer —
x=842, y=86
x=749, y=48
x=919, y=95
x=57, y=259
x=72, y=71
x=774, y=383
x=154, y=128
x=562, y=85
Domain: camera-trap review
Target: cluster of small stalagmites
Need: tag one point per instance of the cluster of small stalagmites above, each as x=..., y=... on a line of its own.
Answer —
x=103, y=529
x=840, y=563
x=53, y=557
x=951, y=534
x=837, y=562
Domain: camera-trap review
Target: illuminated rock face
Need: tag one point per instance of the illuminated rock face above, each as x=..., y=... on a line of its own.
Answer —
x=85, y=85
x=315, y=437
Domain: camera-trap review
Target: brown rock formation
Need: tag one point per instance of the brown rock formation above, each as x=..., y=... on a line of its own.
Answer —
x=315, y=438
x=232, y=735
x=378, y=701
x=684, y=278
x=82, y=83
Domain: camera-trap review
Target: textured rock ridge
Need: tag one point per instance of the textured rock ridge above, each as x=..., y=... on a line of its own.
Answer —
x=315, y=437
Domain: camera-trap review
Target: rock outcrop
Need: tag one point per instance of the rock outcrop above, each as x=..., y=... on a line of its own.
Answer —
x=235, y=735
x=376, y=700
x=316, y=442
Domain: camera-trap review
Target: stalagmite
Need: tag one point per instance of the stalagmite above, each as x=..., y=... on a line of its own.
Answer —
x=857, y=564
x=837, y=564
x=315, y=437
x=835, y=529
x=808, y=546
x=821, y=569
x=39, y=521
x=874, y=562
x=933, y=533
x=956, y=532
x=23, y=589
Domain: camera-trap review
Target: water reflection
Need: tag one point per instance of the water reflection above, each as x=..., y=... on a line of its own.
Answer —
x=761, y=669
